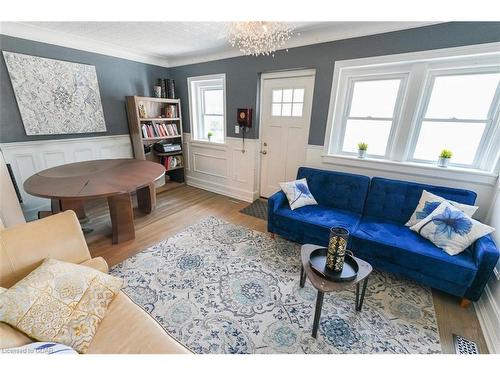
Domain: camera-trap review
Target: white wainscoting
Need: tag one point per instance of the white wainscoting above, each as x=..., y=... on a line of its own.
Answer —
x=223, y=168
x=28, y=158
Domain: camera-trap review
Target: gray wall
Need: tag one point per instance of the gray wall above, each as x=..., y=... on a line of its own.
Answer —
x=242, y=73
x=117, y=78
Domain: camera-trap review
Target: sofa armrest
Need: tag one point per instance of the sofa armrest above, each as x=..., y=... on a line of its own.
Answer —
x=23, y=247
x=98, y=263
x=276, y=200
x=485, y=254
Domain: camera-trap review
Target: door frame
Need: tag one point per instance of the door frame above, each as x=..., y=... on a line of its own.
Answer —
x=275, y=75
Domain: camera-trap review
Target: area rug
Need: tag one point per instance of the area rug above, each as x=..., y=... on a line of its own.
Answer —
x=257, y=208
x=221, y=288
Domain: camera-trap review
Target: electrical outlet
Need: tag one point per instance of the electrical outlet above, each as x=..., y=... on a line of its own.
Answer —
x=237, y=129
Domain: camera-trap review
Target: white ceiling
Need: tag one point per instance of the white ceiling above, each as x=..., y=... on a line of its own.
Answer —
x=178, y=43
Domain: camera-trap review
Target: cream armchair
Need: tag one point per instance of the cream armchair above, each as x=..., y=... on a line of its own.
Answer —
x=126, y=328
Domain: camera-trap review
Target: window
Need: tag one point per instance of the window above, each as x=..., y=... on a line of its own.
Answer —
x=410, y=107
x=370, y=114
x=458, y=110
x=288, y=102
x=207, y=105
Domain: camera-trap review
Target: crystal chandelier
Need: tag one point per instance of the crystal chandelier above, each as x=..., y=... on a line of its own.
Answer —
x=258, y=37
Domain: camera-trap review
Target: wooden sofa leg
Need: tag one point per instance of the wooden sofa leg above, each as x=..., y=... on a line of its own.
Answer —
x=464, y=302
x=273, y=235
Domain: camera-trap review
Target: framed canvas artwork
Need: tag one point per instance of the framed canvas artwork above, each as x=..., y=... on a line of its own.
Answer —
x=54, y=96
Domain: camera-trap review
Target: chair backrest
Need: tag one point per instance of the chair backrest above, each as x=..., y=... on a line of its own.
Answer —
x=23, y=247
x=339, y=190
x=396, y=200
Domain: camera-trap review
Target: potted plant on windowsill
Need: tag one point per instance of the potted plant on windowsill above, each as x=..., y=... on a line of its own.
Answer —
x=209, y=135
x=362, y=147
x=444, y=158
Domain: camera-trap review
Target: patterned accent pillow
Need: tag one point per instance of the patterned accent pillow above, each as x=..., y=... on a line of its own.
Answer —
x=429, y=202
x=297, y=193
x=60, y=302
x=451, y=229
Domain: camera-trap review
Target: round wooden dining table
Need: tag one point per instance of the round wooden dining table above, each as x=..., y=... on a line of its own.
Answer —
x=68, y=186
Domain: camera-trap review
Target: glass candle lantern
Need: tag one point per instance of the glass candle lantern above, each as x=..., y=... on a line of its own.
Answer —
x=337, y=249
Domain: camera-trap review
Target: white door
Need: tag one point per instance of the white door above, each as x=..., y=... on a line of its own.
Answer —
x=286, y=103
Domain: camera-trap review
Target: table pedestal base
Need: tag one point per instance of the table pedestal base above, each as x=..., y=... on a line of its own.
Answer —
x=122, y=217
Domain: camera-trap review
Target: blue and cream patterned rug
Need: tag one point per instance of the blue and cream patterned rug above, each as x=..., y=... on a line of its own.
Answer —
x=222, y=288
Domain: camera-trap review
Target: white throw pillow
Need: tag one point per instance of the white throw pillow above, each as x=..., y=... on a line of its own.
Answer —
x=429, y=202
x=297, y=193
x=451, y=229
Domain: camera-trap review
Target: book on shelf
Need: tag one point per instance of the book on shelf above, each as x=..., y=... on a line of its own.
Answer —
x=158, y=130
x=171, y=162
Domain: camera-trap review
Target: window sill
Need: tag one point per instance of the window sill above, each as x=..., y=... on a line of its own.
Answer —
x=414, y=169
x=202, y=143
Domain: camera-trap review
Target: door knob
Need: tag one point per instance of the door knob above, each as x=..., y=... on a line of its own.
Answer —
x=263, y=152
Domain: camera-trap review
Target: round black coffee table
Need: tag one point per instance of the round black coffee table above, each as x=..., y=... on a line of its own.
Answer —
x=324, y=285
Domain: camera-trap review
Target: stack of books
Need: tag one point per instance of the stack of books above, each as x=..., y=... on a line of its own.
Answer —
x=171, y=162
x=158, y=130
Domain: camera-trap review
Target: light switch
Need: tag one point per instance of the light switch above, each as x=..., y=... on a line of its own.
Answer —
x=237, y=129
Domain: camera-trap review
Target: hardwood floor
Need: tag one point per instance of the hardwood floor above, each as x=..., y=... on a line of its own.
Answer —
x=177, y=209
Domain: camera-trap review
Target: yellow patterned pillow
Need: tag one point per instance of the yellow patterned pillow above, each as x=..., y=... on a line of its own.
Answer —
x=60, y=302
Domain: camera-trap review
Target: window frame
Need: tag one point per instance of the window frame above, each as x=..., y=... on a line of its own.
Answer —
x=395, y=114
x=417, y=66
x=200, y=84
x=489, y=121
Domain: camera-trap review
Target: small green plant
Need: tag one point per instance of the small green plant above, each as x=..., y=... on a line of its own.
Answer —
x=210, y=134
x=362, y=146
x=446, y=154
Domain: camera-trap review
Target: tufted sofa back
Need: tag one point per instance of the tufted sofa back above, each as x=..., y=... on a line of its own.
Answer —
x=339, y=190
x=396, y=200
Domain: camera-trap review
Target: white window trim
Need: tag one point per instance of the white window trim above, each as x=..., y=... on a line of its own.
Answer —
x=398, y=152
x=192, y=118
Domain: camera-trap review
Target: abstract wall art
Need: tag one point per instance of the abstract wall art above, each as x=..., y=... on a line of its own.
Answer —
x=54, y=96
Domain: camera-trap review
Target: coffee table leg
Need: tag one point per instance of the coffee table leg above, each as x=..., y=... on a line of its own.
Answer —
x=317, y=313
x=146, y=198
x=302, y=276
x=122, y=217
x=359, y=301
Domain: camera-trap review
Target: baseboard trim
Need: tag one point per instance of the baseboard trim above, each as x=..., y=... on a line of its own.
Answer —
x=488, y=315
x=243, y=195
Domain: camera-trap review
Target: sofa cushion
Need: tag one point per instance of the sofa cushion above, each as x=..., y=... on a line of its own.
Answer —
x=128, y=329
x=396, y=200
x=394, y=243
x=312, y=223
x=343, y=191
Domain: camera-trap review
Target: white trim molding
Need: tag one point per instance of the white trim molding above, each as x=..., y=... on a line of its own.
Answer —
x=28, y=158
x=488, y=314
x=43, y=35
x=223, y=168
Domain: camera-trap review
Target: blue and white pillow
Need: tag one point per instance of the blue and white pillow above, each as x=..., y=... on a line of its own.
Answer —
x=451, y=229
x=429, y=202
x=297, y=193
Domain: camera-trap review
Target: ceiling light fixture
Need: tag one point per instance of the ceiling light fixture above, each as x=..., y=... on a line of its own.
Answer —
x=258, y=37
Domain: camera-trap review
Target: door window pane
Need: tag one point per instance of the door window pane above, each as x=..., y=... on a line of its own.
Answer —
x=276, y=109
x=374, y=132
x=298, y=95
x=375, y=98
x=467, y=96
x=277, y=94
x=214, y=102
x=287, y=95
x=286, y=109
x=461, y=137
x=297, y=109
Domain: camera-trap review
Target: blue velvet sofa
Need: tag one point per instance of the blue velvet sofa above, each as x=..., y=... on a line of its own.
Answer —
x=375, y=211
